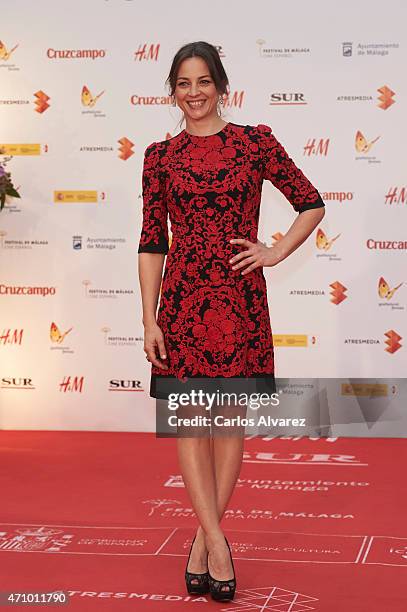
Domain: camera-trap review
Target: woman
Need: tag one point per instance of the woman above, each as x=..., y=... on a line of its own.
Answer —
x=213, y=319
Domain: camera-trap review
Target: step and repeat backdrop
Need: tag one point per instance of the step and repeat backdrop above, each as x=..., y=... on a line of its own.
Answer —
x=83, y=94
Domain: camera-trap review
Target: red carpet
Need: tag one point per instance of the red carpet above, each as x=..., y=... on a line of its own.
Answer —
x=313, y=525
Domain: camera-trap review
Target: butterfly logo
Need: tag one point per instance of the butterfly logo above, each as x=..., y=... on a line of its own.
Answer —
x=361, y=144
x=384, y=290
x=56, y=335
x=4, y=54
x=323, y=243
x=87, y=98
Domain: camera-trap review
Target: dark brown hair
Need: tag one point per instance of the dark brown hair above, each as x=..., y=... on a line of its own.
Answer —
x=210, y=55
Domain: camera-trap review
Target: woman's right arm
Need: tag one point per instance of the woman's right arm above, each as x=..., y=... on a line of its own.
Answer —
x=150, y=266
x=153, y=246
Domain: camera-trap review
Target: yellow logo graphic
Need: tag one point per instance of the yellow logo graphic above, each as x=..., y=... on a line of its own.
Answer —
x=290, y=340
x=4, y=54
x=21, y=149
x=361, y=144
x=384, y=290
x=393, y=341
x=365, y=389
x=56, y=335
x=125, y=148
x=87, y=98
x=338, y=293
x=322, y=242
x=386, y=95
x=41, y=102
x=75, y=196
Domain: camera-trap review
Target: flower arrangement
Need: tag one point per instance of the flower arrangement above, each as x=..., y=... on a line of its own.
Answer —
x=6, y=184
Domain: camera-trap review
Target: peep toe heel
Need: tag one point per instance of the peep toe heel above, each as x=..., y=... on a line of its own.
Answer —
x=216, y=587
x=197, y=584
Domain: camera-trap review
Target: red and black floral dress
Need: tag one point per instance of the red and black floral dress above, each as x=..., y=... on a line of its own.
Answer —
x=215, y=320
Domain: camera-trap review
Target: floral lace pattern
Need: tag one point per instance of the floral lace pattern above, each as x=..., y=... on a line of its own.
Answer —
x=214, y=320
x=197, y=581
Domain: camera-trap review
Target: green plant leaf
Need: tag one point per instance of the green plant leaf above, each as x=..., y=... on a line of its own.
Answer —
x=12, y=192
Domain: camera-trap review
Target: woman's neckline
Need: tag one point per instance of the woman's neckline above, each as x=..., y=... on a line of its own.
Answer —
x=208, y=135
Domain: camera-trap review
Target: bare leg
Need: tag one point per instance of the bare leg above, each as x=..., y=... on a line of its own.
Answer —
x=194, y=455
x=220, y=476
x=228, y=455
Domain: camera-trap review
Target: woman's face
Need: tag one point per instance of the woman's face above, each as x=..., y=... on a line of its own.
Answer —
x=195, y=91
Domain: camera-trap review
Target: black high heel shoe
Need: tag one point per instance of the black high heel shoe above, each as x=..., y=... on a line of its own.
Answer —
x=200, y=586
x=216, y=586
